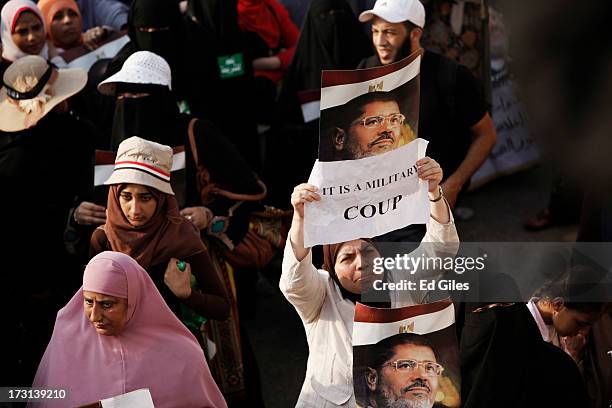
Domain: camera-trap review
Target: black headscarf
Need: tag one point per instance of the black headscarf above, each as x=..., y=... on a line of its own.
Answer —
x=167, y=41
x=331, y=38
x=211, y=27
x=163, y=15
x=155, y=117
x=220, y=19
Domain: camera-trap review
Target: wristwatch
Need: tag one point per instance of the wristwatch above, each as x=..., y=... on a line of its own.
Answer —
x=439, y=196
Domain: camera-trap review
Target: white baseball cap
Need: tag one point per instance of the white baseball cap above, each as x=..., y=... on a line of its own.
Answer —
x=396, y=11
x=142, y=67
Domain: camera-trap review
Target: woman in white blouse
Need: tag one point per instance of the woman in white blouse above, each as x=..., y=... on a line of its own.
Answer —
x=325, y=299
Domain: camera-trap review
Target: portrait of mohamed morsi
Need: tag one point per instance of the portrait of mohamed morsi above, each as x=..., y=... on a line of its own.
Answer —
x=371, y=123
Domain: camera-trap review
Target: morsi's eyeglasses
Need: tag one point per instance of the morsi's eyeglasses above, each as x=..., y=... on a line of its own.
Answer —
x=371, y=122
x=408, y=366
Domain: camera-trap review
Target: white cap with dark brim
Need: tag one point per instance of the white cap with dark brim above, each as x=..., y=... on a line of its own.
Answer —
x=396, y=11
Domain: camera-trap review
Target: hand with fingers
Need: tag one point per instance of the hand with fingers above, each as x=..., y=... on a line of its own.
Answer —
x=94, y=36
x=301, y=194
x=87, y=213
x=178, y=278
x=429, y=169
x=199, y=216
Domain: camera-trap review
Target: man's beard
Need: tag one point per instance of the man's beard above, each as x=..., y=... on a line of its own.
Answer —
x=383, y=400
x=354, y=150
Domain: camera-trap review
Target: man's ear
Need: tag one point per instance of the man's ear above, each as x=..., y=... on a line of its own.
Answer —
x=339, y=139
x=416, y=34
x=558, y=303
x=371, y=378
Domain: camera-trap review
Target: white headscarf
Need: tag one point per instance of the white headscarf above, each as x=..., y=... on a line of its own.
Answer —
x=10, y=13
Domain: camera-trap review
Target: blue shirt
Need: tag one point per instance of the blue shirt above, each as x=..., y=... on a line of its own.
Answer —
x=111, y=13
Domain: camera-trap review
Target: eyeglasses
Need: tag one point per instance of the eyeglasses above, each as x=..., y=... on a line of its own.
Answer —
x=408, y=366
x=371, y=122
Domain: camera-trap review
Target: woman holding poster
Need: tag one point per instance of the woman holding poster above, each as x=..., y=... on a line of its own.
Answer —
x=325, y=299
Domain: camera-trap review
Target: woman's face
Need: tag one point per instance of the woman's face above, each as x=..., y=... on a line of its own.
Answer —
x=66, y=28
x=29, y=33
x=107, y=314
x=137, y=204
x=354, y=264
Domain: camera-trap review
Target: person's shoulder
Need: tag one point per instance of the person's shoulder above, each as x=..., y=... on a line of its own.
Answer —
x=446, y=66
x=99, y=240
x=567, y=377
x=369, y=62
x=433, y=60
x=557, y=358
x=278, y=7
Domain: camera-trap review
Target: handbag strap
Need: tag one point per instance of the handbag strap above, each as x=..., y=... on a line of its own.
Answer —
x=192, y=143
x=217, y=190
x=244, y=197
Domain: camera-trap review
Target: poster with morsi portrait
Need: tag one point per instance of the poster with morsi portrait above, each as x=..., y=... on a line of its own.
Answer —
x=368, y=147
x=406, y=357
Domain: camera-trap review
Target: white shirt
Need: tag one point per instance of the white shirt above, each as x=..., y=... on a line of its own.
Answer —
x=328, y=322
x=548, y=332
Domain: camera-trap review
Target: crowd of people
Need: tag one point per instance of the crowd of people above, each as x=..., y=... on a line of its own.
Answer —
x=143, y=266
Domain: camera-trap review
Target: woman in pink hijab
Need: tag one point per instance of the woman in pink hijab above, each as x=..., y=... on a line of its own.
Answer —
x=117, y=335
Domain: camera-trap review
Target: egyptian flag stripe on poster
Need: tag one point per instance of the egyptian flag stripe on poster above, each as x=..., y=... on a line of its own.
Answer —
x=422, y=319
x=105, y=165
x=339, y=87
x=310, y=102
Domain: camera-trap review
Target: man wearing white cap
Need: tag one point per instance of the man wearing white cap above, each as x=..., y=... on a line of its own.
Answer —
x=453, y=115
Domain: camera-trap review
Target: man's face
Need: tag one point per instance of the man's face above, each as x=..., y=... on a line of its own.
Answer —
x=368, y=137
x=569, y=322
x=388, y=39
x=397, y=388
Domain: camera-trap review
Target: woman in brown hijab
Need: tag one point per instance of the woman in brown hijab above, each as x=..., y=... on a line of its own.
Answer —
x=143, y=221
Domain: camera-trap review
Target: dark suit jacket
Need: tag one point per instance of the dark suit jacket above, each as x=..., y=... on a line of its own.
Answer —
x=505, y=363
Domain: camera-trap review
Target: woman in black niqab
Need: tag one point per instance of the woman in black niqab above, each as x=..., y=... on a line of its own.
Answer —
x=211, y=27
x=331, y=38
x=155, y=115
x=156, y=26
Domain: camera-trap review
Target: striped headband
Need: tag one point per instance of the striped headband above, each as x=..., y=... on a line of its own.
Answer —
x=145, y=168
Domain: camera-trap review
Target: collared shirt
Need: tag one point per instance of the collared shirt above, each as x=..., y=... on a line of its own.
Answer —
x=548, y=332
x=537, y=316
